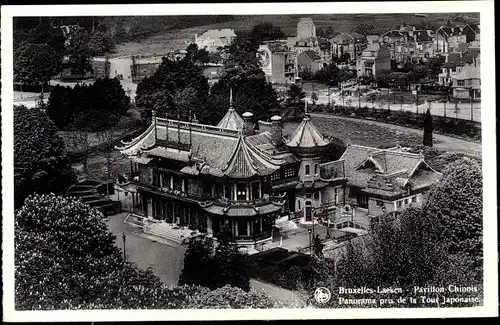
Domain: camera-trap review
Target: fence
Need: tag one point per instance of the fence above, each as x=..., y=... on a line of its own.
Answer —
x=445, y=125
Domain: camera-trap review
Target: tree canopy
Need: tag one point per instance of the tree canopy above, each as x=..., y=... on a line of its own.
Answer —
x=35, y=63
x=40, y=161
x=170, y=90
x=215, y=267
x=456, y=206
x=88, y=107
x=294, y=102
x=65, y=258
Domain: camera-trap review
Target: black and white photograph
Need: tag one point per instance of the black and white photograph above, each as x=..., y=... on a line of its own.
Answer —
x=249, y=161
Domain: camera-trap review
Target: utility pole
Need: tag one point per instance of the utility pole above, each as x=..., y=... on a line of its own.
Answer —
x=124, y=237
x=471, y=106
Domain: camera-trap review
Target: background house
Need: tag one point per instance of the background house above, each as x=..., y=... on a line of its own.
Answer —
x=467, y=83
x=311, y=61
x=214, y=39
x=348, y=44
x=374, y=59
x=278, y=62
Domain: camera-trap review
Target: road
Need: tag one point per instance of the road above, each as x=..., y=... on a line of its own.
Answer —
x=166, y=261
x=445, y=143
x=461, y=110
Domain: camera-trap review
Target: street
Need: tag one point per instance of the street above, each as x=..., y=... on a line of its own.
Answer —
x=166, y=261
x=461, y=110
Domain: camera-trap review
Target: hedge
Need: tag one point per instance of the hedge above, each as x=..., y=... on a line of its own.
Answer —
x=445, y=125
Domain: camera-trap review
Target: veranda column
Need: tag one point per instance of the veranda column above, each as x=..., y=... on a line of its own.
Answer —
x=209, y=224
x=249, y=228
x=171, y=181
x=260, y=223
x=235, y=223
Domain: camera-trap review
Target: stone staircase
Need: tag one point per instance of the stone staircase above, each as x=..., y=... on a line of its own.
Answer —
x=168, y=232
x=285, y=225
x=91, y=192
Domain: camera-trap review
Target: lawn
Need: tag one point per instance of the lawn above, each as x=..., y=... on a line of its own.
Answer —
x=354, y=132
x=175, y=39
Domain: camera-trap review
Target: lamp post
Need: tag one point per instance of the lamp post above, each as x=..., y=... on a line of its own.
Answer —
x=310, y=242
x=124, y=237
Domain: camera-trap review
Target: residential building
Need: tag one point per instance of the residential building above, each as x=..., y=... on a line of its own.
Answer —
x=278, y=62
x=453, y=66
x=448, y=38
x=466, y=84
x=231, y=179
x=311, y=61
x=386, y=180
x=306, y=28
x=348, y=44
x=370, y=39
x=214, y=39
x=374, y=59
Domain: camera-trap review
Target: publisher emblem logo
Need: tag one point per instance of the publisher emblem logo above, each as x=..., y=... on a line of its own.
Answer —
x=322, y=295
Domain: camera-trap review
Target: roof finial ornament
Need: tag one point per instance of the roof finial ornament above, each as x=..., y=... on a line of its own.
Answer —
x=231, y=98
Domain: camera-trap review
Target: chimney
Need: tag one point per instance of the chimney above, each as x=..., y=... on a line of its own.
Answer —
x=247, y=123
x=276, y=130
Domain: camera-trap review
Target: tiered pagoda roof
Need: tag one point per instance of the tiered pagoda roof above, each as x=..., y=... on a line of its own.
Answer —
x=232, y=120
x=207, y=150
x=307, y=139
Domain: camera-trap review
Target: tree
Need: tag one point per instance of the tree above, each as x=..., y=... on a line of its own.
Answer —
x=231, y=297
x=266, y=31
x=318, y=246
x=44, y=33
x=217, y=268
x=90, y=108
x=364, y=29
x=40, y=161
x=428, y=126
x=231, y=267
x=314, y=97
x=80, y=55
x=294, y=102
x=456, y=109
x=35, y=64
x=455, y=205
x=198, y=262
x=100, y=43
x=173, y=80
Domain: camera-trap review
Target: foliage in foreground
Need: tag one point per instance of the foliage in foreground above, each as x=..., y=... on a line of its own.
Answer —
x=438, y=245
x=65, y=258
x=40, y=161
x=215, y=267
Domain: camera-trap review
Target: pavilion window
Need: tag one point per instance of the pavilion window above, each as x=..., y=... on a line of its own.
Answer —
x=308, y=170
x=241, y=192
x=316, y=169
x=256, y=191
x=289, y=172
x=228, y=191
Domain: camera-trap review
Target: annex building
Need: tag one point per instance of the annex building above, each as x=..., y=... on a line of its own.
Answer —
x=235, y=179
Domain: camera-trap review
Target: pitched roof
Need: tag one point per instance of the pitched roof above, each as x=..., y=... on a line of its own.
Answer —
x=373, y=37
x=208, y=149
x=307, y=136
x=365, y=166
x=312, y=55
x=232, y=120
x=343, y=38
x=245, y=163
x=393, y=33
x=218, y=33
